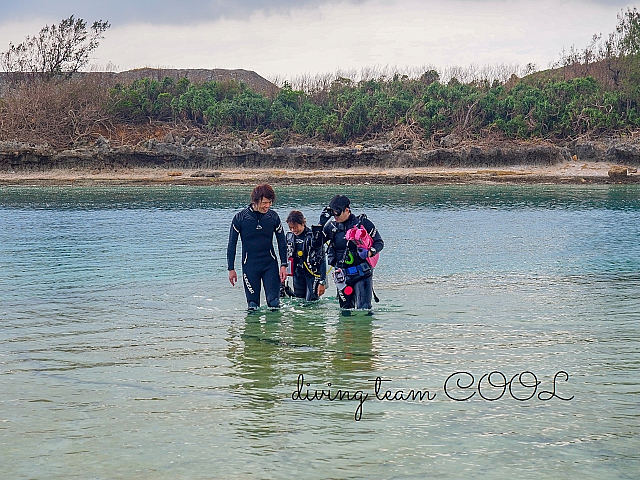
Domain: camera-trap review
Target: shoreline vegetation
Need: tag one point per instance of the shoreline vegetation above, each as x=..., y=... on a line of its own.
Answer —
x=578, y=122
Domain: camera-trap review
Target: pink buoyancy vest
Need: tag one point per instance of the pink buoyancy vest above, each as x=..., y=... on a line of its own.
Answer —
x=361, y=237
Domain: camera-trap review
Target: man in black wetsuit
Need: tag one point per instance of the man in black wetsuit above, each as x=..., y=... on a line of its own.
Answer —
x=256, y=226
x=353, y=275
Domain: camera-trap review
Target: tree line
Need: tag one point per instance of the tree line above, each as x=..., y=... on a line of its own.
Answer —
x=592, y=91
x=348, y=111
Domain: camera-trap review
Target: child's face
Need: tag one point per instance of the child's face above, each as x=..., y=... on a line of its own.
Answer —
x=296, y=228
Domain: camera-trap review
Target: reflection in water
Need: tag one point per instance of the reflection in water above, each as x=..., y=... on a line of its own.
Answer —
x=353, y=346
x=271, y=349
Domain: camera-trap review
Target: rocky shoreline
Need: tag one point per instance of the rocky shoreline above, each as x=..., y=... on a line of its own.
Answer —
x=176, y=160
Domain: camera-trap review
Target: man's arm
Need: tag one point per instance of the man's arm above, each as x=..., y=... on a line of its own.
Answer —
x=323, y=266
x=231, y=251
x=327, y=232
x=282, y=242
x=282, y=248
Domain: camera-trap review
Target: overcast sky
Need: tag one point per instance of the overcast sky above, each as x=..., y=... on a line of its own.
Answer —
x=291, y=38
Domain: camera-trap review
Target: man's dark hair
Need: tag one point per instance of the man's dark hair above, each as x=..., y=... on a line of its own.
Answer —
x=296, y=216
x=339, y=203
x=263, y=191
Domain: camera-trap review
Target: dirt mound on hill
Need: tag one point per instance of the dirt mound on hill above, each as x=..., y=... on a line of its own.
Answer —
x=200, y=75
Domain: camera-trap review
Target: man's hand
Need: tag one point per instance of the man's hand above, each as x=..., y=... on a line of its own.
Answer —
x=321, y=290
x=233, y=277
x=283, y=273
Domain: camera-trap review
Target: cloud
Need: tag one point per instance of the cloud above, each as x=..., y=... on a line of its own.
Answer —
x=122, y=12
x=282, y=39
x=333, y=36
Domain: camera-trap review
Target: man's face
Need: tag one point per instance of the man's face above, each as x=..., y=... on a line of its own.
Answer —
x=343, y=215
x=264, y=205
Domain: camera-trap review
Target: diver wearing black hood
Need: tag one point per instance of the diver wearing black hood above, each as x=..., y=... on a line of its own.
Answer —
x=353, y=273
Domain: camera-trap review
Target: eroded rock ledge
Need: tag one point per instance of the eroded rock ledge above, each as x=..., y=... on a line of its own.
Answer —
x=207, y=158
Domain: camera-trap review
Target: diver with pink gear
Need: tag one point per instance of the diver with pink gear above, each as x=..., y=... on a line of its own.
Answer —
x=353, y=247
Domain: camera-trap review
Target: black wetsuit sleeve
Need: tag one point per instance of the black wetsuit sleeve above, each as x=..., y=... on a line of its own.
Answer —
x=282, y=241
x=323, y=268
x=231, y=246
x=328, y=237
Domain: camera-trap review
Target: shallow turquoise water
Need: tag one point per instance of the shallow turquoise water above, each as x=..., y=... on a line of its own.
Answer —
x=125, y=353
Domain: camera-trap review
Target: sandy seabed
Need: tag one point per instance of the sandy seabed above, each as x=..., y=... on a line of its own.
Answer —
x=564, y=173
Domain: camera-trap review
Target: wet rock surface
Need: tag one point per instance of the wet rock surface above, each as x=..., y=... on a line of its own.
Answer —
x=179, y=153
x=205, y=158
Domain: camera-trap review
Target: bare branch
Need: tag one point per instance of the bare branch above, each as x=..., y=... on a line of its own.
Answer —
x=58, y=50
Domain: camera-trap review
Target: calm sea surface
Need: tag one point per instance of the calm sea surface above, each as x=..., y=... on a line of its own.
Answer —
x=507, y=337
